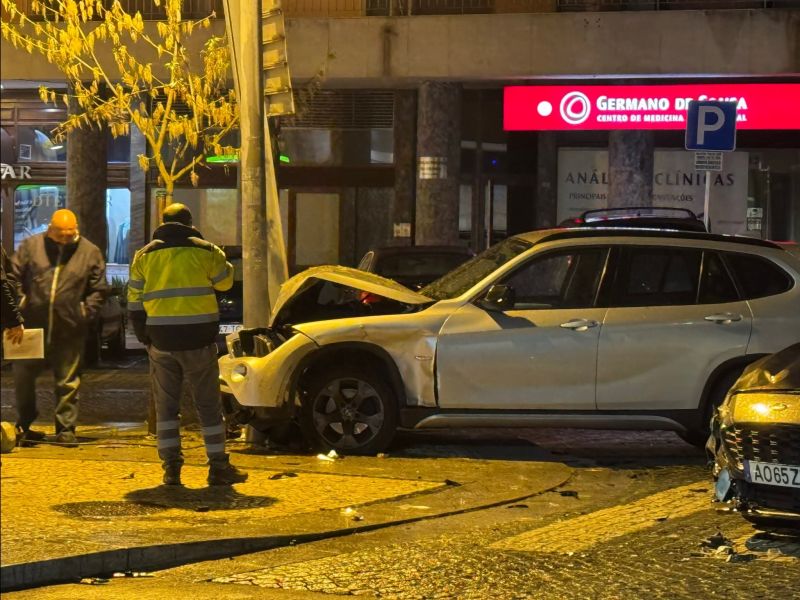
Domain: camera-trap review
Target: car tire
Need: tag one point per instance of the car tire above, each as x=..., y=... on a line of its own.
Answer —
x=349, y=409
x=699, y=437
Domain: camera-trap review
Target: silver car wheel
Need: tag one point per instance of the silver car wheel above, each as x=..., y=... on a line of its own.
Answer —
x=348, y=413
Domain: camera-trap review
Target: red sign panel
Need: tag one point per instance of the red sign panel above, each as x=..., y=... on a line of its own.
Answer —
x=568, y=108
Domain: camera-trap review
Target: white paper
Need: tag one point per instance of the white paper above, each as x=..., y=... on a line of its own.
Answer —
x=32, y=346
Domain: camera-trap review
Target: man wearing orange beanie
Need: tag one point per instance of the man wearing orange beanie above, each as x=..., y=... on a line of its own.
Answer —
x=62, y=281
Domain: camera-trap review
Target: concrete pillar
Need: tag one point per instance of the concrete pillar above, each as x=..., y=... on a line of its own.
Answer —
x=438, y=163
x=87, y=180
x=139, y=233
x=405, y=162
x=630, y=168
x=546, y=179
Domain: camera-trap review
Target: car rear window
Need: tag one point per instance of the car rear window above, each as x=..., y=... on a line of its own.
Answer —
x=716, y=285
x=757, y=276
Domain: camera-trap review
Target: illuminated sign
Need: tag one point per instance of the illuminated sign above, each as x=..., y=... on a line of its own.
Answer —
x=568, y=108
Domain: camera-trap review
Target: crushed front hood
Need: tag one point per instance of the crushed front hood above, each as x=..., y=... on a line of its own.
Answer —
x=295, y=287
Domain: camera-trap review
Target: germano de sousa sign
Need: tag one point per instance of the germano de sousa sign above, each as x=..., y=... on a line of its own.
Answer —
x=576, y=107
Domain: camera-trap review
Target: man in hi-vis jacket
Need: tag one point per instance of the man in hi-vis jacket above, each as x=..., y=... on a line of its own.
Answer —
x=173, y=308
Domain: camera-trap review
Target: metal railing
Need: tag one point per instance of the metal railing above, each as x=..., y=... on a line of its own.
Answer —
x=192, y=9
x=293, y=9
x=359, y=8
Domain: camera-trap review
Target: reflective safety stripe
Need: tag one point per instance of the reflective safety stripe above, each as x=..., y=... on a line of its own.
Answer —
x=215, y=448
x=178, y=293
x=137, y=284
x=135, y=305
x=164, y=425
x=183, y=320
x=220, y=276
x=213, y=430
x=169, y=443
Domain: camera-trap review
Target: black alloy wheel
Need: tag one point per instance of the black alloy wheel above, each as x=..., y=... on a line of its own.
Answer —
x=349, y=409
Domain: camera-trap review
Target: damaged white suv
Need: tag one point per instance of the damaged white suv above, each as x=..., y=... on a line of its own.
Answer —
x=618, y=329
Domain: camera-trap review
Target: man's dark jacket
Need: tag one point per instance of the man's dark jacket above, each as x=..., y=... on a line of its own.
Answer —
x=79, y=272
x=10, y=314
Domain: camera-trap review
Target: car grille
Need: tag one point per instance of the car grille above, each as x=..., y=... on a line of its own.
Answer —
x=771, y=496
x=764, y=443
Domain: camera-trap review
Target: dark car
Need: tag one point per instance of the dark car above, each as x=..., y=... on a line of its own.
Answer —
x=414, y=266
x=230, y=303
x=755, y=440
x=106, y=335
x=681, y=219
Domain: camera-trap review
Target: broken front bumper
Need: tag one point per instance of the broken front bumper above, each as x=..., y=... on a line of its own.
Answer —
x=264, y=381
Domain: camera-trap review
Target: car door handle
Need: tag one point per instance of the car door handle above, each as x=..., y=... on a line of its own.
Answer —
x=579, y=324
x=724, y=318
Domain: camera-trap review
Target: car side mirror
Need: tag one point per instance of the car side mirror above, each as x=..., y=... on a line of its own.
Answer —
x=498, y=298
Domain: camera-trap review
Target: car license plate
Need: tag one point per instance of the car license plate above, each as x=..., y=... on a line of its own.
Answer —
x=772, y=474
x=227, y=328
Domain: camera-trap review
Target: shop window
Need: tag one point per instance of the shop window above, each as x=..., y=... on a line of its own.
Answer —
x=34, y=206
x=337, y=147
x=215, y=211
x=118, y=216
x=36, y=143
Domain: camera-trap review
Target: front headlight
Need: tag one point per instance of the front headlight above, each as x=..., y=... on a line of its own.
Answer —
x=238, y=373
x=767, y=407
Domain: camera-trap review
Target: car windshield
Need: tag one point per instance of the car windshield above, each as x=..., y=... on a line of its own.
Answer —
x=458, y=281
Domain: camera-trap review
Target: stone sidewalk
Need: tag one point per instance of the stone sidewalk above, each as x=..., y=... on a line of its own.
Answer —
x=70, y=513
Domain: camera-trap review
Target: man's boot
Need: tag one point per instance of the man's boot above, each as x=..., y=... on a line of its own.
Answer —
x=28, y=437
x=225, y=473
x=172, y=475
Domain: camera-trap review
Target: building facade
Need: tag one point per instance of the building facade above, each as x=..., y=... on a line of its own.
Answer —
x=409, y=141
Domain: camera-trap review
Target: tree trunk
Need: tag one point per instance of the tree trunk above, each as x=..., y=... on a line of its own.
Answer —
x=87, y=180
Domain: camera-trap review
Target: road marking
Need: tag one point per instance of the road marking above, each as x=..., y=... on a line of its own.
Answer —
x=585, y=531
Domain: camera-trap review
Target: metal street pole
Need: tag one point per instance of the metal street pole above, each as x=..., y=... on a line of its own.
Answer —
x=243, y=20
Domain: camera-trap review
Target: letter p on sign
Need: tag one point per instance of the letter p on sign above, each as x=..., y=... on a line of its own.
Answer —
x=711, y=126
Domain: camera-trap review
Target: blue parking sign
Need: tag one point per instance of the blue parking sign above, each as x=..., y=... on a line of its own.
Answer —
x=711, y=125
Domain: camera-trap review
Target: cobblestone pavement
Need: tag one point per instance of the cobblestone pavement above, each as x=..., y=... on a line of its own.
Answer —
x=107, y=494
x=661, y=560
x=125, y=503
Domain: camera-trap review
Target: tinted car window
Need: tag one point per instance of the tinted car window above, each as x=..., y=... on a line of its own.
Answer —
x=758, y=277
x=410, y=265
x=658, y=276
x=558, y=280
x=716, y=285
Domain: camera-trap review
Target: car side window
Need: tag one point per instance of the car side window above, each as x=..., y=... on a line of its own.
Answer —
x=653, y=276
x=758, y=277
x=558, y=280
x=716, y=285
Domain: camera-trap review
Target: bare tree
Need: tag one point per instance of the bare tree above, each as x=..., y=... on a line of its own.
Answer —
x=180, y=103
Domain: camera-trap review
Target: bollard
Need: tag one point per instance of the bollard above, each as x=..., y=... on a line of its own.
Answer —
x=9, y=440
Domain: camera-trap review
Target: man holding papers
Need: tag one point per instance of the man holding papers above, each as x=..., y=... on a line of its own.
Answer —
x=62, y=282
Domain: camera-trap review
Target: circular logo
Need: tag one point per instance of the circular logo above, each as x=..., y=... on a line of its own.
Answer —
x=575, y=108
x=544, y=108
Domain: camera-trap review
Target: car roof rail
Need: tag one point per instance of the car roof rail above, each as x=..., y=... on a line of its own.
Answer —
x=654, y=233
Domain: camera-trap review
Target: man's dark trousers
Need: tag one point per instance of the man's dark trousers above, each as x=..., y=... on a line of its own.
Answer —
x=63, y=356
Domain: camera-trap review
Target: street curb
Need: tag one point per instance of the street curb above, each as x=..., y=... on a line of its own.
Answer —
x=71, y=569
